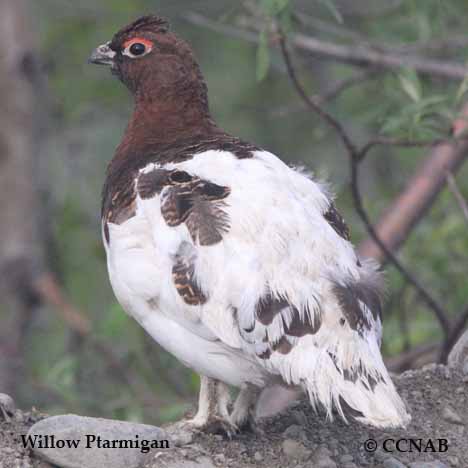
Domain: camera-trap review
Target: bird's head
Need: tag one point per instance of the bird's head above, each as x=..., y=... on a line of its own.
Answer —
x=152, y=62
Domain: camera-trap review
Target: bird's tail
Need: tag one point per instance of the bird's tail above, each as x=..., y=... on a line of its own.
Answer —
x=364, y=391
x=341, y=366
x=349, y=376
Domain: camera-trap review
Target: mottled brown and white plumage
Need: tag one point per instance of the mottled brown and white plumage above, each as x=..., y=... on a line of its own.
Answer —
x=234, y=262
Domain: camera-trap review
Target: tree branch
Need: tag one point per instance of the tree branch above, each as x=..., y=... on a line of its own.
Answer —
x=356, y=54
x=360, y=55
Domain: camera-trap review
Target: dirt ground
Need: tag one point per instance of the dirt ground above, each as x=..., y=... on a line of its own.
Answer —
x=437, y=398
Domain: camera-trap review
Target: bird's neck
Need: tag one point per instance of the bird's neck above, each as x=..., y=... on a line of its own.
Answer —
x=157, y=123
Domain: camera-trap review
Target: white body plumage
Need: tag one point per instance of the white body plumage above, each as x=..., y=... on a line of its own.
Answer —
x=279, y=245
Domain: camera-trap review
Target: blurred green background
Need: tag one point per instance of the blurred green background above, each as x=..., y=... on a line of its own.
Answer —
x=88, y=109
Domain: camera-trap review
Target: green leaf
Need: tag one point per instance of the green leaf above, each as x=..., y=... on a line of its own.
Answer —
x=263, y=56
x=410, y=83
x=332, y=8
x=424, y=119
x=274, y=7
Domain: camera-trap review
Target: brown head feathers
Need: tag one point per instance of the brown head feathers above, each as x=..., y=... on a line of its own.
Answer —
x=149, y=23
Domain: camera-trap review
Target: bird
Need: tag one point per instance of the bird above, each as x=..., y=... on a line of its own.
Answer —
x=235, y=262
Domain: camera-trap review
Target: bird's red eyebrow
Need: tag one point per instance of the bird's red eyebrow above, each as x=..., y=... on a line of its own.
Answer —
x=141, y=40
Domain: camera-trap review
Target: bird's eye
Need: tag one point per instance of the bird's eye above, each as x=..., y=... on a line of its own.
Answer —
x=137, y=49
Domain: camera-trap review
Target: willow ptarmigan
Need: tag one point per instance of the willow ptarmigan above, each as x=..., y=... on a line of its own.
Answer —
x=235, y=263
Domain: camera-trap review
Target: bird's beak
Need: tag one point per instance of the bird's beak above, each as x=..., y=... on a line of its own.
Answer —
x=103, y=55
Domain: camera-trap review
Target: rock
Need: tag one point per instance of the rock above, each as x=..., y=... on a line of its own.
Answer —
x=393, y=463
x=71, y=441
x=7, y=406
x=451, y=416
x=258, y=457
x=458, y=357
x=295, y=450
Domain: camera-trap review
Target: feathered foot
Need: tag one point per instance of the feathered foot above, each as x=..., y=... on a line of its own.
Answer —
x=212, y=416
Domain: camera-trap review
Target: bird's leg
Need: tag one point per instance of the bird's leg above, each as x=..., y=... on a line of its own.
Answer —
x=243, y=413
x=212, y=415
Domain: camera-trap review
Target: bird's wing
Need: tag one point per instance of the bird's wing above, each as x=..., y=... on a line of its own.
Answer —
x=261, y=253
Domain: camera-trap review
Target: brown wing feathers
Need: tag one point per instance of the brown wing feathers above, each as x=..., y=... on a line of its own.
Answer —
x=188, y=199
x=199, y=204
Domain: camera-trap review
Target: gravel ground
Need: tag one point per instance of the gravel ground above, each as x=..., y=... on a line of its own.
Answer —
x=437, y=398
